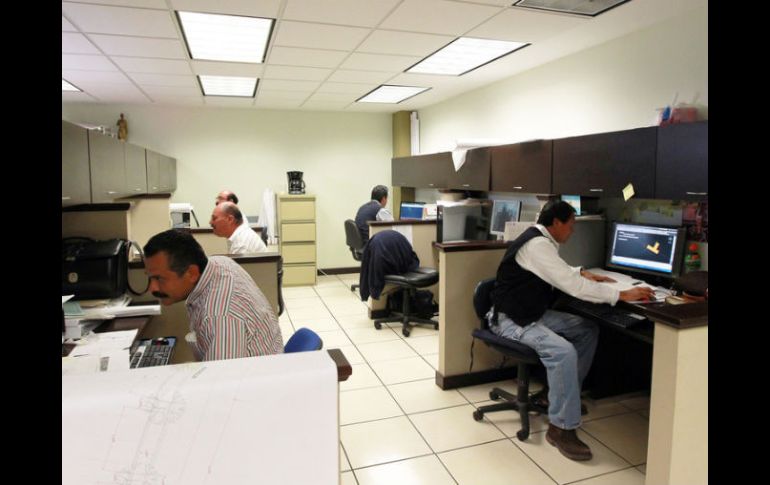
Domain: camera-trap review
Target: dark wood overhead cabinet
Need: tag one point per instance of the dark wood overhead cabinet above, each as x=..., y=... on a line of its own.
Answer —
x=522, y=167
x=683, y=160
x=423, y=171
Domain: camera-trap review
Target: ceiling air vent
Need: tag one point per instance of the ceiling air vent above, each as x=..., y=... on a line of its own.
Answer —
x=590, y=8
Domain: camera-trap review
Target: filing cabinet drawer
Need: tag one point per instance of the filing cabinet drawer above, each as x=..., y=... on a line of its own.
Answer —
x=298, y=253
x=299, y=275
x=297, y=210
x=298, y=232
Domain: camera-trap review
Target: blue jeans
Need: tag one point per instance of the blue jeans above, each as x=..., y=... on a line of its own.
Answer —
x=566, y=344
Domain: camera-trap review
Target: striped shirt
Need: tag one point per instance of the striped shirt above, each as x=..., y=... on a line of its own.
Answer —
x=229, y=314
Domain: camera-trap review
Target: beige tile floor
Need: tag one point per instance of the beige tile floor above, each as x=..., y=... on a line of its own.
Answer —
x=398, y=427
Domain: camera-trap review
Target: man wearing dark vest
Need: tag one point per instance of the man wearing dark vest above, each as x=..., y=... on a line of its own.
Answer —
x=374, y=210
x=528, y=273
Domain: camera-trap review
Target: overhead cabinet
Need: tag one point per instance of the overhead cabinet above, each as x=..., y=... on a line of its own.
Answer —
x=473, y=174
x=136, y=169
x=423, y=171
x=76, y=174
x=108, y=176
x=682, y=161
x=601, y=165
x=161, y=173
x=522, y=167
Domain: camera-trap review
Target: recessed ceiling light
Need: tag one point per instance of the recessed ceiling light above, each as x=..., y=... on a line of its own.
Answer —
x=65, y=86
x=463, y=55
x=225, y=37
x=228, y=86
x=391, y=94
x=591, y=8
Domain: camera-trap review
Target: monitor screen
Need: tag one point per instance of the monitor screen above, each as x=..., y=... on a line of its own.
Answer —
x=411, y=210
x=648, y=249
x=502, y=212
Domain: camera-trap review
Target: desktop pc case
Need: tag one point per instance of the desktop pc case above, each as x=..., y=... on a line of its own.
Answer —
x=94, y=269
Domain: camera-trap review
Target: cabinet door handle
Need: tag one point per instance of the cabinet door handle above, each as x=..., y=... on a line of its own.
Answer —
x=518, y=187
x=697, y=193
x=430, y=185
x=466, y=185
x=596, y=190
x=65, y=198
x=154, y=188
x=137, y=190
x=111, y=192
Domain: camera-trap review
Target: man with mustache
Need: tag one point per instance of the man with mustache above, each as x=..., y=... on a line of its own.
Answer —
x=229, y=315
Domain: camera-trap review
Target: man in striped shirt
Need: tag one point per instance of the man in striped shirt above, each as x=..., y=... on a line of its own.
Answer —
x=229, y=315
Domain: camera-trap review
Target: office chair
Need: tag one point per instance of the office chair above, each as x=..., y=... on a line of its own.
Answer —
x=303, y=340
x=355, y=242
x=409, y=282
x=524, y=355
x=280, y=283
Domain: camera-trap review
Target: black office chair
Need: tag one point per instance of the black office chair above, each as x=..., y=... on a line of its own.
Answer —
x=524, y=355
x=409, y=282
x=280, y=283
x=355, y=242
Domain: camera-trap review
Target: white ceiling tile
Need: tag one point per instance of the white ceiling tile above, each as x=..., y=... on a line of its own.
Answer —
x=408, y=79
x=366, y=77
x=286, y=85
x=159, y=4
x=238, y=69
x=66, y=26
x=379, y=62
x=127, y=93
x=437, y=16
x=228, y=101
x=297, y=96
x=336, y=97
x=118, y=45
x=324, y=105
x=293, y=56
x=72, y=43
x=278, y=104
x=525, y=26
x=171, y=91
x=298, y=73
x=99, y=19
x=346, y=88
x=303, y=34
x=498, y=3
x=86, y=63
x=105, y=77
x=76, y=97
x=158, y=66
x=404, y=43
x=345, y=12
x=146, y=79
x=250, y=8
x=179, y=101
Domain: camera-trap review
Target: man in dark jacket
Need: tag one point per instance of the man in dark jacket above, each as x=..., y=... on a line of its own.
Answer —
x=388, y=252
x=374, y=210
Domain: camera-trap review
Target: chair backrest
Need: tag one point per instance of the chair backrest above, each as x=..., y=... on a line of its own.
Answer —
x=280, y=284
x=353, y=239
x=303, y=340
x=482, y=299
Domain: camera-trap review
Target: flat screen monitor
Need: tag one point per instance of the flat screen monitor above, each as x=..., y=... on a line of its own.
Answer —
x=411, y=210
x=647, y=249
x=503, y=211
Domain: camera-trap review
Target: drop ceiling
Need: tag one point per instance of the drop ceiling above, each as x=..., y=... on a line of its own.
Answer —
x=322, y=54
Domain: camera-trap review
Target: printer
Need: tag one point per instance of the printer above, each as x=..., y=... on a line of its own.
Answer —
x=180, y=214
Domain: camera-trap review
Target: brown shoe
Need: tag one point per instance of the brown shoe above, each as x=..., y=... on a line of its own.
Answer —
x=540, y=398
x=568, y=443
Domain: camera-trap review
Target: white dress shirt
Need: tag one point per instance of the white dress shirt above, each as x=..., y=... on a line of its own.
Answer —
x=384, y=215
x=540, y=256
x=245, y=240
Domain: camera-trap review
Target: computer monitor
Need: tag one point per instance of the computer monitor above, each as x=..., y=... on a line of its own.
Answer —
x=411, y=210
x=503, y=211
x=647, y=249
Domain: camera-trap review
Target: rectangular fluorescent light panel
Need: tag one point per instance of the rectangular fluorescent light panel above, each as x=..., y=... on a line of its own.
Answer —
x=590, y=8
x=65, y=86
x=225, y=37
x=391, y=94
x=464, y=55
x=228, y=86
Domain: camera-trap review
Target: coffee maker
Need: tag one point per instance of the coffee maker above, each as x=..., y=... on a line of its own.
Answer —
x=296, y=184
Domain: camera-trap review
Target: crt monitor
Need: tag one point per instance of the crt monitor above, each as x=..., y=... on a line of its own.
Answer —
x=503, y=211
x=411, y=210
x=647, y=249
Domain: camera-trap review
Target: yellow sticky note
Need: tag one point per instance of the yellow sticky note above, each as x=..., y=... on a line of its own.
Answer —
x=628, y=192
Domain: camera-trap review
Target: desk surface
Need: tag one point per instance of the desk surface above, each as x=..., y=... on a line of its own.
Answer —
x=401, y=222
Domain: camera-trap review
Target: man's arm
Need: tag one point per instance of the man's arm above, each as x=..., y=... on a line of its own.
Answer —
x=222, y=337
x=384, y=215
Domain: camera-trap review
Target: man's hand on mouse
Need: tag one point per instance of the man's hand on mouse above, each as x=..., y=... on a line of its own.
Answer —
x=639, y=293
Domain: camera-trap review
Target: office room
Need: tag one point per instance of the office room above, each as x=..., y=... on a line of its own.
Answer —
x=391, y=402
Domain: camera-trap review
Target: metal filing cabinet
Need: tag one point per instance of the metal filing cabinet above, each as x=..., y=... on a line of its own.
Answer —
x=296, y=216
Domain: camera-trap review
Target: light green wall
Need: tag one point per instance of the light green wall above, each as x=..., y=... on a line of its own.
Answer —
x=613, y=86
x=343, y=156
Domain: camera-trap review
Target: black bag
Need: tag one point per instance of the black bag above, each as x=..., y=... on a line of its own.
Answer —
x=421, y=303
x=94, y=269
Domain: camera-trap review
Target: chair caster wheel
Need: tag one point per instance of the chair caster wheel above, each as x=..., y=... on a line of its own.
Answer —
x=377, y=325
x=522, y=435
x=406, y=331
x=494, y=396
x=478, y=415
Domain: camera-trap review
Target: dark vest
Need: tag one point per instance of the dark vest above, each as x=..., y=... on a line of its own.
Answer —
x=519, y=293
x=367, y=212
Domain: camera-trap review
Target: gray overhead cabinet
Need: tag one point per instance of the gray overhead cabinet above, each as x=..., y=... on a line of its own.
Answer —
x=76, y=177
x=683, y=161
x=522, y=167
x=136, y=169
x=108, y=173
x=161, y=173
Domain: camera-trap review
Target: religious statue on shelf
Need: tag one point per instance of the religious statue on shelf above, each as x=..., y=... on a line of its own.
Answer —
x=122, y=128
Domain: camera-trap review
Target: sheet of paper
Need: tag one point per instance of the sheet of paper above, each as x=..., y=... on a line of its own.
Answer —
x=64, y=298
x=514, y=229
x=628, y=192
x=625, y=282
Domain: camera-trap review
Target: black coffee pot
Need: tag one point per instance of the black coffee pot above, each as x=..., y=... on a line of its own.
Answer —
x=296, y=184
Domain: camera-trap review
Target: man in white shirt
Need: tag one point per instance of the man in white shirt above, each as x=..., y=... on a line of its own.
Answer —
x=529, y=271
x=227, y=221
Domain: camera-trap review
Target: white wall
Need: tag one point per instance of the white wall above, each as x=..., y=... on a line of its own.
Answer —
x=613, y=86
x=343, y=156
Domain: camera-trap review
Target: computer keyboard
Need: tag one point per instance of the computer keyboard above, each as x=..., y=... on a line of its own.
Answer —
x=152, y=352
x=604, y=312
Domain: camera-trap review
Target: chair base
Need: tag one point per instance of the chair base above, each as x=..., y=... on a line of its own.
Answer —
x=354, y=287
x=407, y=322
